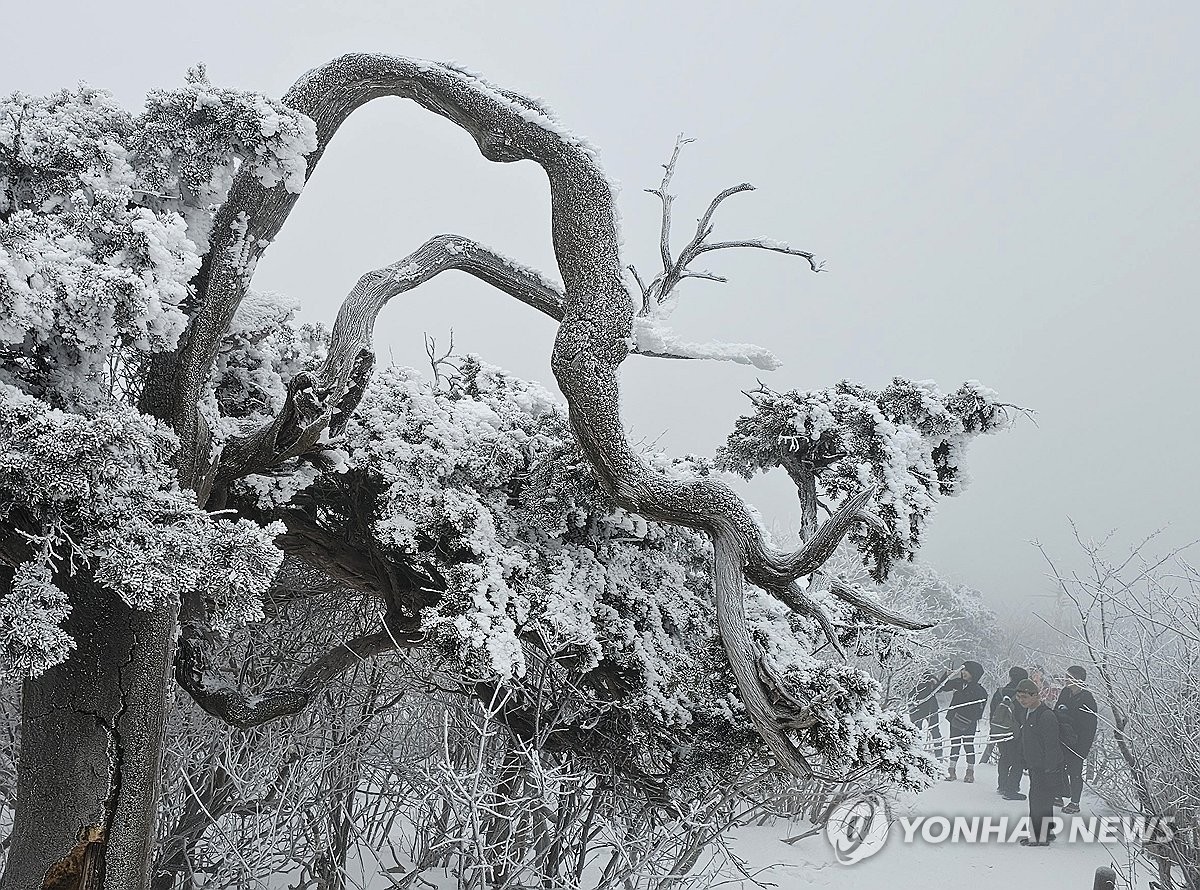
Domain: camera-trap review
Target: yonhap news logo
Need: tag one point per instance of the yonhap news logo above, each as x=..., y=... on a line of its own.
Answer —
x=859, y=827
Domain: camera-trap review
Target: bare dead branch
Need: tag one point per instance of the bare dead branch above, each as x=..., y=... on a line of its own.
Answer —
x=704, y=226
x=677, y=270
x=664, y=194
x=763, y=244
x=707, y=276
x=866, y=605
x=642, y=287
x=437, y=362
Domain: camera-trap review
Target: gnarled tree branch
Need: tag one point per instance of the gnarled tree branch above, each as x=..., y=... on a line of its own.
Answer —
x=878, y=613
x=253, y=215
x=197, y=672
x=593, y=338
x=317, y=406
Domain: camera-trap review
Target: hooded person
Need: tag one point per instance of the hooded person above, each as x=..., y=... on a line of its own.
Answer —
x=1005, y=717
x=964, y=711
x=1077, y=718
x=1042, y=754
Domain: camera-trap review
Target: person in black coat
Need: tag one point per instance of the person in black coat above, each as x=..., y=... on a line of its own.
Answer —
x=1076, y=713
x=1041, y=753
x=966, y=707
x=1005, y=716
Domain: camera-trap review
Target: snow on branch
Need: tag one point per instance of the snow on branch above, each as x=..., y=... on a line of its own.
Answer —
x=652, y=338
x=658, y=297
x=908, y=439
x=866, y=605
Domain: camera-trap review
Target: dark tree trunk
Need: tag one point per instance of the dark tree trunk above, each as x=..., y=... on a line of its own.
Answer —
x=805, y=478
x=91, y=750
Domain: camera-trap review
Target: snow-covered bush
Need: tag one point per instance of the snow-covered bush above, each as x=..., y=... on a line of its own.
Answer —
x=104, y=218
x=99, y=489
x=476, y=486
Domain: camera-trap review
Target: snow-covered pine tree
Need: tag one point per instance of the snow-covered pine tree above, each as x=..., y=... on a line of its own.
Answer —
x=907, y=442
x=104, y=219
x=166, y=434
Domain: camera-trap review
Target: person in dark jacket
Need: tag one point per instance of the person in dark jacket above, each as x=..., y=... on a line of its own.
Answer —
x=1005, y=716
x=923, y=707
x=1041, y=754
x=966, y=707
x=1076, y=713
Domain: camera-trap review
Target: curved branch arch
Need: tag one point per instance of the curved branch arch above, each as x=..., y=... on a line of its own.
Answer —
x=593, y=339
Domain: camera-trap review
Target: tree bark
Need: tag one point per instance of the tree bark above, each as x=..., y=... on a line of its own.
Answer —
x=806, y=488
x=91, y=748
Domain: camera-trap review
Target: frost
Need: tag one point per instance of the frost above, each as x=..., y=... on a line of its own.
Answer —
x=102, y=486
x=288, y=138
x=263, y=348
x=275, y=491
x=104, y=218
x=195, y=135
x=31, y=614
x=262, y=312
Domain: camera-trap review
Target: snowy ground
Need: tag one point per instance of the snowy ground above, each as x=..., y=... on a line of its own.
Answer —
x=899, y=866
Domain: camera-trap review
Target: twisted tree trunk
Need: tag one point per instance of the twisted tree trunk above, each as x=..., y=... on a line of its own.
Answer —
x=596, y=313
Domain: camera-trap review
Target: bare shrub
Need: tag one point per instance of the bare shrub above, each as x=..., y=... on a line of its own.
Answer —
x=1139, y=624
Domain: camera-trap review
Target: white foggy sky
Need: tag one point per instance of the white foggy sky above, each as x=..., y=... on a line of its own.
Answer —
x=1001, y=192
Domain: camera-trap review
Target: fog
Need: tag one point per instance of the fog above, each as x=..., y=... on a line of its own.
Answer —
x=1001, y=193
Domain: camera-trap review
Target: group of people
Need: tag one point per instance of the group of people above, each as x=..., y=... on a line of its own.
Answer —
x=1037, y=728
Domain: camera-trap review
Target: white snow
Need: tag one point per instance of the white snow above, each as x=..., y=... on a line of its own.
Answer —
x=651, y=336
x=921, y=865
